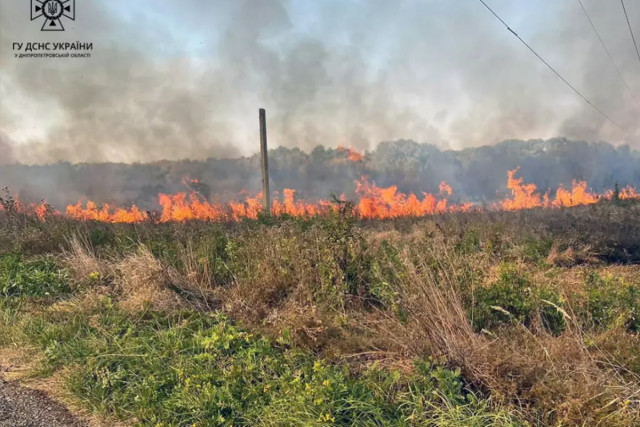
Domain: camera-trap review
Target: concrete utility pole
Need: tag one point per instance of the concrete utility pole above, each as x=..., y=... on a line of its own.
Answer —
x=265, y=162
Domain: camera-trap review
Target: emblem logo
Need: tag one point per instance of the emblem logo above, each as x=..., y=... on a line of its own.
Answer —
x=53, y=12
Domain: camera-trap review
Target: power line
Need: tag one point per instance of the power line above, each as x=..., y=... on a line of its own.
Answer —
x=576, y=91
x=630, y=30
x=604, y=46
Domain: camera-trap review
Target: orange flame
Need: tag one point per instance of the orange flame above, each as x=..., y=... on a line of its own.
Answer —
x=373, y=203
x=579, y=195
x=526, y=196
x=352, y=155
x=628, y=193
x=105, y=214
x=40, y=210
x=376, y=202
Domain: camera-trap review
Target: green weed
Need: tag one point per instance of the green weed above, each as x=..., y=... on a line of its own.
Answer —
x=41, y=277
x=190, y=368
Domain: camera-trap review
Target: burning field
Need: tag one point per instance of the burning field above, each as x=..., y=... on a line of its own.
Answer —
x=374, y=307
x=437, y=224
x=372, y=202
x=502, y=316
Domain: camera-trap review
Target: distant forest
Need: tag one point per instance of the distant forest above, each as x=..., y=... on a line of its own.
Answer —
x=475, y=174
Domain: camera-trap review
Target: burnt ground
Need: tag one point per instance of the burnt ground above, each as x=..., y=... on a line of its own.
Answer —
x=23, y=407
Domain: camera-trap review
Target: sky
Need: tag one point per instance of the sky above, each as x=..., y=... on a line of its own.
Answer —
x=176, y=79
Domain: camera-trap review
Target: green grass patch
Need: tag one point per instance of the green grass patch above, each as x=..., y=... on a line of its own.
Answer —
x=513, y=299
x=39, y=278
x=200, y=369
x=611, y=302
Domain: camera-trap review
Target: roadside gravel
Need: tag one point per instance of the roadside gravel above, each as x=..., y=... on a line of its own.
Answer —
x=23, y=407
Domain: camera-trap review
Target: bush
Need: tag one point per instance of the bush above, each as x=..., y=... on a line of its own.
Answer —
x=506, y=301
x=513, y=299
x=470, y=242
x=536, y=249
x=611, y=302
x=552, y=315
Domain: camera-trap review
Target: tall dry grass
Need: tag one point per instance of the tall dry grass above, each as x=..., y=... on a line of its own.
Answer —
x=396, y=291
x=558, y=380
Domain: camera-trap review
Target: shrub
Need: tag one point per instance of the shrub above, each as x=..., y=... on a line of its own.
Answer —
x=536, y=249
x=101, y=235
x=506, y=301
x=611, y=302
x=470, y=242
x=552, y=314
x=386, y=269
x=514, y=299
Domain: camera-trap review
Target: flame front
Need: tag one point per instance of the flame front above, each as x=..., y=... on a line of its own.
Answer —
x=376, y=202
x=373, y=203
x=352, y=155
x=526, y=196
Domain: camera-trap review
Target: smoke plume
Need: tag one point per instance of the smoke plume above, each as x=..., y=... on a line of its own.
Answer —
x=175, y=79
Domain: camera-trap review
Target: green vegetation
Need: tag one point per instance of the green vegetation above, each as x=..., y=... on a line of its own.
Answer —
x=455, y=320
x=612, y=302
x=38, y=277
x=514, y=299
x=191, y=368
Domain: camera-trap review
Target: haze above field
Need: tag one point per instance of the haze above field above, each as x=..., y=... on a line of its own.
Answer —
x=184, y=79
x=476, y=174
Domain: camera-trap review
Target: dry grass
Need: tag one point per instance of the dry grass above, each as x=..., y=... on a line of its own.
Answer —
x=140, y=279
x=277, y=285
x=572, y=255
x=557, y=380
x=558, y=377
x=17, y=363
x=144, y=283
x=198, y=278
x=284, y=280
x=82, y=260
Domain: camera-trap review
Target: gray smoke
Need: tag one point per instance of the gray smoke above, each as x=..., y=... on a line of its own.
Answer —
x=6, y=148
x=176, y=79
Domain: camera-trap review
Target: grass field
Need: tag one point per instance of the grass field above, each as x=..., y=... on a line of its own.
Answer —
x=496, y=318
